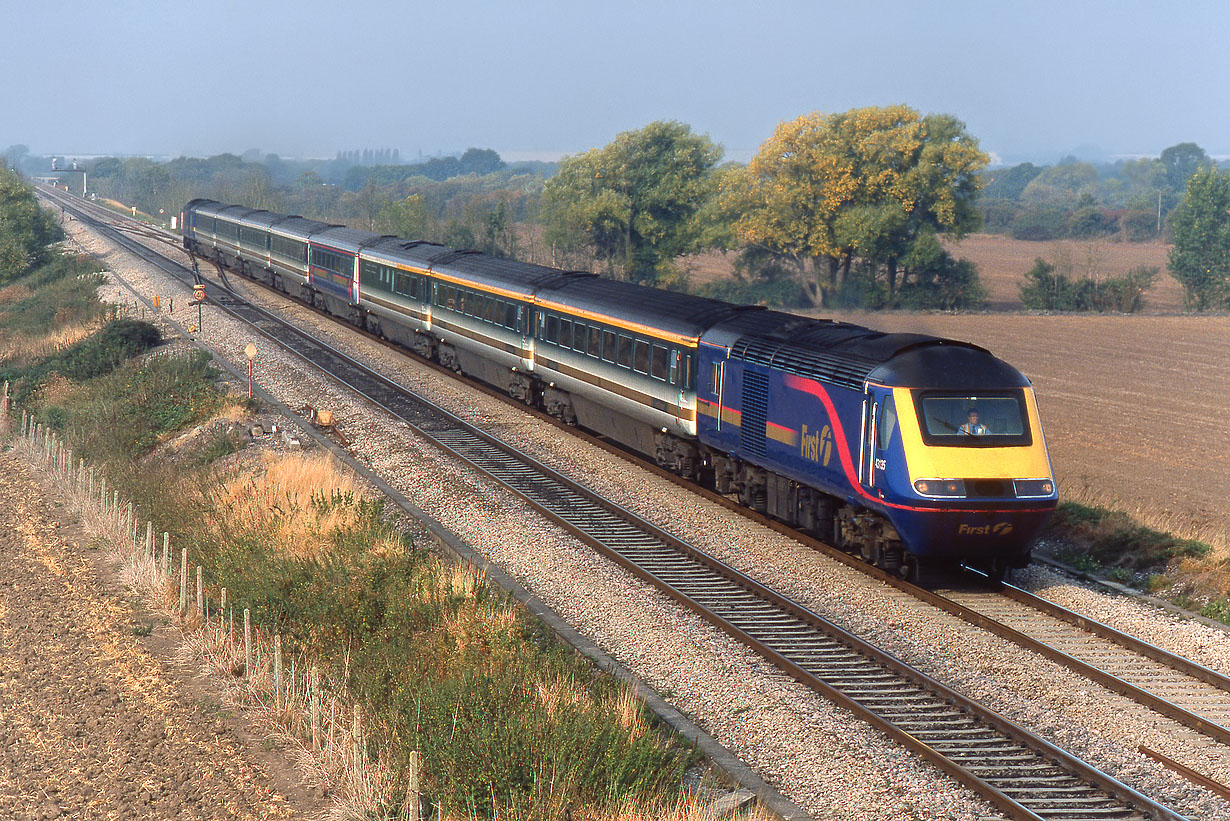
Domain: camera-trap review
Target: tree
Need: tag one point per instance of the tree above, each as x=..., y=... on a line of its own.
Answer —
x=480, y=161
x=1009, y=183
x=634, y=201
x=26, y=231
x=871, y=184
x=1181, y=162
x=408, y=218
x=1063, y=185
x=1200, y=258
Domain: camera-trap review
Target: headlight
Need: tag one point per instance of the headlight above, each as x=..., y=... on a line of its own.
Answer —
x=940, y=487
x=1034, y=488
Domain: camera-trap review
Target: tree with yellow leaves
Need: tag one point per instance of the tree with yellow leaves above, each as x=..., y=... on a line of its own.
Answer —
x=872, y=186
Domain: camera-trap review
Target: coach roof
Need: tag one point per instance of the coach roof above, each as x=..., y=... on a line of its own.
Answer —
x=345, y=239
x=505, y=276
x=663, y=313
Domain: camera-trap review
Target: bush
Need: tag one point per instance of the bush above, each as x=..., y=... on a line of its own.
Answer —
x=947, y=284
x=1139, y=226
x=1045, y=289
x=1091, y=221
x=1040, y=223
x=96, y=355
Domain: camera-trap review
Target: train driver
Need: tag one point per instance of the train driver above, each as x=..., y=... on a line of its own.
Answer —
x=972, y=426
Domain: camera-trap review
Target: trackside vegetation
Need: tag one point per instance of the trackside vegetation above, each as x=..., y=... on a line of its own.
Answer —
x=1111, y=543
x=510, y=723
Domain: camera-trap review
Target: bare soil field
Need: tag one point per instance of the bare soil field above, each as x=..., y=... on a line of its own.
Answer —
x=1002, y=263
x=95, y=720
x=1136, y=408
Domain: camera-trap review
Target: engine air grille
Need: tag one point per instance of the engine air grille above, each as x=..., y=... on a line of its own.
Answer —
x=755, y=411
x=837, y=369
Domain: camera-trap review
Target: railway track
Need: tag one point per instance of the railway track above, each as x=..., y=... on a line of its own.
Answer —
x=1020, y=773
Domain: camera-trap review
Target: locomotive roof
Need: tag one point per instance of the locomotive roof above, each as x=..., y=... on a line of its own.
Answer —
x=848, y=355
x=669, y=312
x=201, y=203
x=345, y=239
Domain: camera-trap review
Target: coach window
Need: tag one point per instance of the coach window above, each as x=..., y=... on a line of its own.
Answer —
x=595, y=341
x=640, y=360
x=609, y=343
x=565, y=333
x=658, y=368
x=553, y=329
x=510, y=316
x=493, y=311
x=625, y=351
x=579, y=333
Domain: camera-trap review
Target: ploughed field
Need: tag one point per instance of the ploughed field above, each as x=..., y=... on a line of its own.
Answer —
x=1136, y=409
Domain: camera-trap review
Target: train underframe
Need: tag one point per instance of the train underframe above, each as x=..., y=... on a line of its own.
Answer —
x=831, y=519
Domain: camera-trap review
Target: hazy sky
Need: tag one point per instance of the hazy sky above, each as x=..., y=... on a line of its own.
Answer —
x=538, y=79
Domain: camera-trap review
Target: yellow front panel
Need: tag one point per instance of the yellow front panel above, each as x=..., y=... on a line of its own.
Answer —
x=933, y=462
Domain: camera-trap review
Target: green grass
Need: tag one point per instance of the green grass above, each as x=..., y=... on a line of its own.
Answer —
x=62, y=291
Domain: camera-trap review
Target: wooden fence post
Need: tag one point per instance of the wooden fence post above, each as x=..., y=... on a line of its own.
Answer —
x=247, y=642
x=277, y=672
x=414, y=787
x=183, y=581
x=314, y=698
x=200, y=595
x=356, y=734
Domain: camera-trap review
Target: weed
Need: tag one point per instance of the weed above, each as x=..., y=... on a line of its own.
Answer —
x=142, y=629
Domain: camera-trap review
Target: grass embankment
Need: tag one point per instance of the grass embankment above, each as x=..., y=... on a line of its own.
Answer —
x=509, y=723
x=1193, y=573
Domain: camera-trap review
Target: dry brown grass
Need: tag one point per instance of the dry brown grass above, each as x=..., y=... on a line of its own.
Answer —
x=14, y=293
x=287, y=499
x=22, y=349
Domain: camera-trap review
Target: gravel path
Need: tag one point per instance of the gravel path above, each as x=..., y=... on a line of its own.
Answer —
x=814, y=753
x=94, y=721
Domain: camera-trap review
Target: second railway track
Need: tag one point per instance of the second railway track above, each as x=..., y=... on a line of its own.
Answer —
x=1022, y=774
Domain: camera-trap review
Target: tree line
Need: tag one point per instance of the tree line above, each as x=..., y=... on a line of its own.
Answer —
x=1133, y=200
x=834, y=210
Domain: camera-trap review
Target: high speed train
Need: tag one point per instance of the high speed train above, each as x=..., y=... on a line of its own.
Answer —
x=907, y=449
